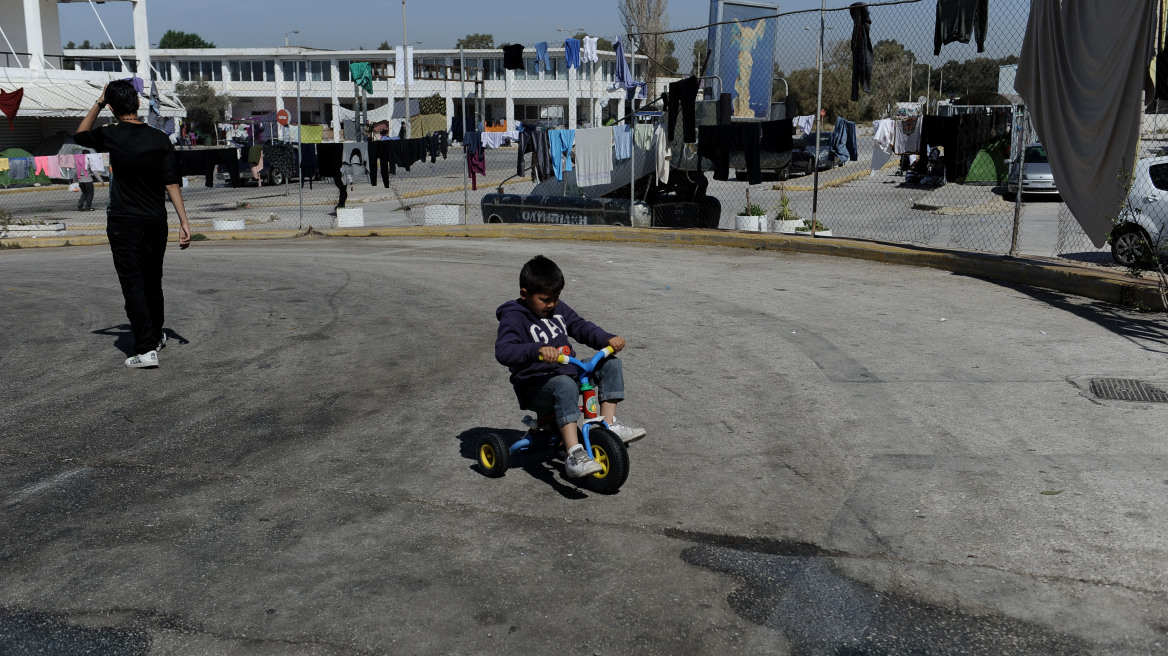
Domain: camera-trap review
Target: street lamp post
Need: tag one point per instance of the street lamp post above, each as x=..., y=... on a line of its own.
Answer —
x=286, y=36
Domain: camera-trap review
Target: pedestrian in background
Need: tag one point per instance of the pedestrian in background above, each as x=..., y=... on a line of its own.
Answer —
x=143, y=164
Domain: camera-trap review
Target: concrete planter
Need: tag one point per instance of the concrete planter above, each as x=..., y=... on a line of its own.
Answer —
x=750, y=223
x=14, y=231
x=351, y=217
x=228, y=224
x=787, y=227
x=442, y=215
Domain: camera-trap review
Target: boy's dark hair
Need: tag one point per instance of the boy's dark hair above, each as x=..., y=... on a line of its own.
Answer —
x=541, y=276
x=121, y=97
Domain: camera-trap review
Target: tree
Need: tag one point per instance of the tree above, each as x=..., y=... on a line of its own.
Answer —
x=384, y=46
x=70, y=45
x=177, y=39
x=205, y=108
x=476, y=41
x=647, y=20
x=700, y=52
x=970, y=76
x=86, y=44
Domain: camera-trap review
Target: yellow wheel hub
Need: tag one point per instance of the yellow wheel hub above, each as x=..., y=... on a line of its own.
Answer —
x=487, y=456
x=601, y=457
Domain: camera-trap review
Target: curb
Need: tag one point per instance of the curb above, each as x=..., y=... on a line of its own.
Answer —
x=1115, y=288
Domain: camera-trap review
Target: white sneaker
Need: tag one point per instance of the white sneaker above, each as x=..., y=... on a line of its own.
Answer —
x=143, y=361
x=626, y=433
x=579, y=463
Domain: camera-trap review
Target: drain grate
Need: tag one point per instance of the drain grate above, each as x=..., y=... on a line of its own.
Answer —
x=1127, y=389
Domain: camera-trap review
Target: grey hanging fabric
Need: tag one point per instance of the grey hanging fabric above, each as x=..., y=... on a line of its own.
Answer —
x=861, y=49
x=1081, y=73
x=958, y=19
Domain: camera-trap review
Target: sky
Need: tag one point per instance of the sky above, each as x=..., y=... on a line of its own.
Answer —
x=352, y=24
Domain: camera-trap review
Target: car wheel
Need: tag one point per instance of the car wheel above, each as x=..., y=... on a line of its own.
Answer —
x=784, y=173
x=1130, y=246
x=276, y=177
x=495, y=218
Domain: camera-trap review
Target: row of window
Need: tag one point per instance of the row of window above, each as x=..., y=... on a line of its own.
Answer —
x=321, y=71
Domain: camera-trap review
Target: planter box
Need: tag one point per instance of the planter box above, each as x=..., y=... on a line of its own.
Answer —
x=353, y=217
x=228, y=224
x=750, y=223
x=33, y=230
x=788, y=227
x=442, y=215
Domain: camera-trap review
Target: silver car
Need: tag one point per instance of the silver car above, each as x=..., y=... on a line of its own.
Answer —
x=1036, y=175
x=1143, y=224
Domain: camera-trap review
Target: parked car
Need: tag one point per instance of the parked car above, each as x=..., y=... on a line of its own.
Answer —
x=1036, y=175
x=1143, y=224
x=803, y=153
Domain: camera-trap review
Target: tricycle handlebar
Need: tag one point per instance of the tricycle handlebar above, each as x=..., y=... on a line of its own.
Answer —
x=586, y=367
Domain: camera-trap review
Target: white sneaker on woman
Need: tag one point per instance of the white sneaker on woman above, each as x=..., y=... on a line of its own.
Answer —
x=143, y=361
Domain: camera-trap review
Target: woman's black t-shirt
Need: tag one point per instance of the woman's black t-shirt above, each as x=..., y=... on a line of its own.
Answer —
x=141, y=165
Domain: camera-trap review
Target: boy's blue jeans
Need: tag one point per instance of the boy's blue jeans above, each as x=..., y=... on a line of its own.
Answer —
x=562, y=393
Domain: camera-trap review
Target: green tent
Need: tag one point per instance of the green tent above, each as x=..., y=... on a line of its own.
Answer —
x=990, y=164
x=7, y=180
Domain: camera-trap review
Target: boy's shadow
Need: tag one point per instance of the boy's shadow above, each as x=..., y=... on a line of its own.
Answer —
x=124, y=337
x=537, y=462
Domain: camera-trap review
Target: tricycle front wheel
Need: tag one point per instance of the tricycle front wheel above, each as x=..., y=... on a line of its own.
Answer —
x=609, y=451
x=493, y=455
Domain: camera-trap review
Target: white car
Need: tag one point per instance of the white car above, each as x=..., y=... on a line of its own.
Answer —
x=1036, y=178
x=1143, y=223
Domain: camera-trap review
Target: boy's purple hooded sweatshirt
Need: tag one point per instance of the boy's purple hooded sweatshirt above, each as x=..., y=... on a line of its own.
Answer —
x=522, y=333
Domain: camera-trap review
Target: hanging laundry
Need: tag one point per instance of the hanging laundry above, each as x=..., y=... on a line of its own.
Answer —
x=541, y=57
x=154, y=113
x=48, y=165
x=907, y=138
x=1081, y=74
x=572, y=53
x=862, y=56
x=10, y=104
x=805, y=123
x=589, y=54
x=476, y=165
x=622, y=137
x=624, y=76
x=777, y=136
x=535, y=141
x=497, y=139
x=513, y=57
x=3, y=163
x=19, y=168
x=94, y=162
x=362, y=75
x=312, y=134
x=593, y=156
x=843, y=140
x=643, y=136
x=560, y=144
x=957, y=20
x=885, y=134
x=683, y=95
x=717, y=142
x=472, y=142
x=663, y=153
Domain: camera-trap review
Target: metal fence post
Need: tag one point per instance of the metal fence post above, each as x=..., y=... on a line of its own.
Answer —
x=1020, y=119
x=462, y=94
x=299, y=153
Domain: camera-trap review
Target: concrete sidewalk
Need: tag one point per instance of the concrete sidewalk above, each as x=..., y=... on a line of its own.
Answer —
x=1081, y=280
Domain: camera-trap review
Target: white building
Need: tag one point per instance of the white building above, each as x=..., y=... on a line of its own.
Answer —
x=264, y=80
x=57, y=94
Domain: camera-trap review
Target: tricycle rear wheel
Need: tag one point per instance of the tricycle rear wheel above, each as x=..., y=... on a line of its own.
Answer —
x=494, y=456
x=610, y=452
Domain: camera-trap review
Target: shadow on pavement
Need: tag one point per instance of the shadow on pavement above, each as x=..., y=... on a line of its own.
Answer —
x=538, y=463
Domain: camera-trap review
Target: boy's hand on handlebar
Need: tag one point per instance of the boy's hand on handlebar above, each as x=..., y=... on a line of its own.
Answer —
x=617, y=344
x=548, y=353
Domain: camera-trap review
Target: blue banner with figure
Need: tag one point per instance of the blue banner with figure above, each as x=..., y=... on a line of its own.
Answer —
x=743, y=54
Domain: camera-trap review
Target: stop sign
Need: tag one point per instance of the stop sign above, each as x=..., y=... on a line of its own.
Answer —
x=282, y=117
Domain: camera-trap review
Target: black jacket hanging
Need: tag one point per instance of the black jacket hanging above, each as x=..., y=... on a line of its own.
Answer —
x=958, y=19
x=861, y=49
x=513, y=57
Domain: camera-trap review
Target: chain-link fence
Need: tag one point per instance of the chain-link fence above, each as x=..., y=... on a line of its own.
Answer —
x=957, y=127
x=911, y=143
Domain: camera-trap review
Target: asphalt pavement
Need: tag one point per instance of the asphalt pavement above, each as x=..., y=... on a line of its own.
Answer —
x=843, y=457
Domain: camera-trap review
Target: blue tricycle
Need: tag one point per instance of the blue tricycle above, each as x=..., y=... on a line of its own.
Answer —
x=606, y=448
